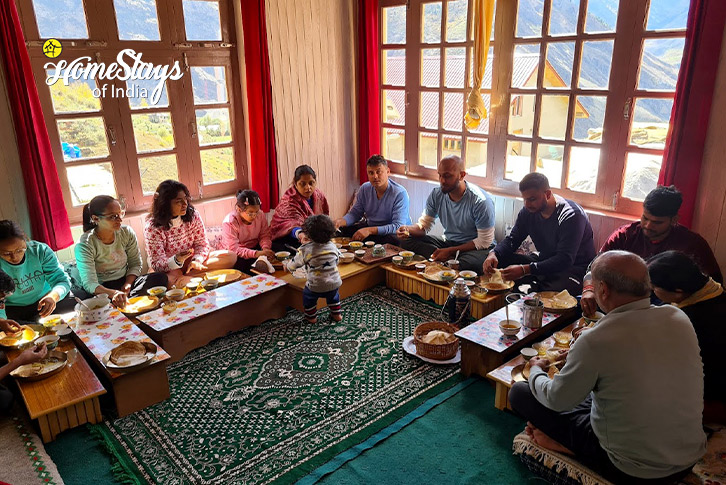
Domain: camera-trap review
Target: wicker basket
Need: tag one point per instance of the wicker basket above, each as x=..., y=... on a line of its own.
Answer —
x=434, y=351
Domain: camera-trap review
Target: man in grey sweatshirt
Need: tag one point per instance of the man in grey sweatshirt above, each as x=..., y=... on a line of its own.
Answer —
x=628, y=403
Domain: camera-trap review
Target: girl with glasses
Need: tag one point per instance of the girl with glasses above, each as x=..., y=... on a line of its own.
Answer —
x=245, y=232
x=176, y=241
x=42, y=286
x=108, y=256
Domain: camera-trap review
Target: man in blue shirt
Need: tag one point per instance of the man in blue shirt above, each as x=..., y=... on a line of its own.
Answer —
x=465, y=211
x=561, y=232
x=383, y=202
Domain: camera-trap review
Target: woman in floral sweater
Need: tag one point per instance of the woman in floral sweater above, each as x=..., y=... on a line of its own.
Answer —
x=176, y=241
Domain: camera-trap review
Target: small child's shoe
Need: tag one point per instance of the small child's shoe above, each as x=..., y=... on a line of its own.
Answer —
x=311, y=319
x=263, y=265
x=337, y=317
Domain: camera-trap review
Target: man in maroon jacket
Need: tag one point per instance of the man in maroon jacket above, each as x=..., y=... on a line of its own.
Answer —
x=657, y=231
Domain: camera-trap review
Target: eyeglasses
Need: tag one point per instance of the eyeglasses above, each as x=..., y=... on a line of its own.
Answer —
x=10, y=254
x=113, y=217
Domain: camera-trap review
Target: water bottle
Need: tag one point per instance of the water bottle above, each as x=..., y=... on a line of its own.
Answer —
x=458, y=303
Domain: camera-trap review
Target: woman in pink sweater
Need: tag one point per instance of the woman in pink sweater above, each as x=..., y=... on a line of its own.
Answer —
x=245, y=232
x=176, y=241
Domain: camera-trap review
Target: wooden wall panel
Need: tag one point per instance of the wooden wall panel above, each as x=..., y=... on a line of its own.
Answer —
x=312, y=65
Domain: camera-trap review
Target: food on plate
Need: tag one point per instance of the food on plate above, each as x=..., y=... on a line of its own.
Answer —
x=438, y=337
x=49, y=364
x=561, y=300
x=496, y=277
x=140, y=303
x=128, y=353
x=26, y=334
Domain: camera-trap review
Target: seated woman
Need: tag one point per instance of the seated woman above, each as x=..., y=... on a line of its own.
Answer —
x=677, y=279
x=299, y=202
x=41, y=284
x=176, y=241
x=108, y=256
x=245, y=232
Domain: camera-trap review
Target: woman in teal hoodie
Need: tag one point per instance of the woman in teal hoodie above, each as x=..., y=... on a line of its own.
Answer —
x=41, y=285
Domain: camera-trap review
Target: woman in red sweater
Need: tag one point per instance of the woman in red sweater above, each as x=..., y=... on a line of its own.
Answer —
x=176, y=241
x=245, y=232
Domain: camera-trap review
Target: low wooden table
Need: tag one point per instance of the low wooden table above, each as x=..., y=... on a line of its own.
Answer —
x=502, y=375
x=215, y=313
x=356, y=277
x=409, y=281
x=65, y=400
x=484, y=347
x=133, y=390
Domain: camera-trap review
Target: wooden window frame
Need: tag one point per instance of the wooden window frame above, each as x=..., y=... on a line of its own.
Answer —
x=103, y=45
x=628, y=40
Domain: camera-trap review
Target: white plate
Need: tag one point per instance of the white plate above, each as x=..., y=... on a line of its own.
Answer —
x=410, y=348
x=147, y=357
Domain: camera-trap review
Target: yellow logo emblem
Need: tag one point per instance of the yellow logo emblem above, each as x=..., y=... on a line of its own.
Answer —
x=52, y=48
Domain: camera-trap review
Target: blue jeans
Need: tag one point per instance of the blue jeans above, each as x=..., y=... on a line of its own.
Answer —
x=310, y=301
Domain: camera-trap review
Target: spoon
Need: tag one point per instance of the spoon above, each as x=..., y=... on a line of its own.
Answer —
x=82, y=304
x=456, y=258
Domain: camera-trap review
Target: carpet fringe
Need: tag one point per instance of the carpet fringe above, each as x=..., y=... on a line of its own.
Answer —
x=554, y=461
x=120, y=471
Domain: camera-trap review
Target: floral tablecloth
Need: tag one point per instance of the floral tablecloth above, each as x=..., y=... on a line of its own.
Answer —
x=211, y=301
x=101, y=337
x=485, y=332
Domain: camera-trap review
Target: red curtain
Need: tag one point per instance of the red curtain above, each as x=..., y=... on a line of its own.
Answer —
x=263, y=166
x=48, y=216
x=692, y=105
x=369, y=106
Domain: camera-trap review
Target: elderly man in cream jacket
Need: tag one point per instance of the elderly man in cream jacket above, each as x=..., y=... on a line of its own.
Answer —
x=628, y=401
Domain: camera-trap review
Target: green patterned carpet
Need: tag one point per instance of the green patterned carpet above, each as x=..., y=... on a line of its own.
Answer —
x=271, y=403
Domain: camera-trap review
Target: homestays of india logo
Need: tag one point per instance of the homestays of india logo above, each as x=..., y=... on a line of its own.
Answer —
x=128, y=67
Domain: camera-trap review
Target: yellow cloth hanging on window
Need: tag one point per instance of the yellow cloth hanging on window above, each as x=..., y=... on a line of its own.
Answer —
x=483, y=18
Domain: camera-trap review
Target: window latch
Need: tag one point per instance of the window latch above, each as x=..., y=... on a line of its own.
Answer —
x=616, y=196
x=200, y=189
x=185, y=60
x=193, y=129
x=626, y=108
x=112, y=135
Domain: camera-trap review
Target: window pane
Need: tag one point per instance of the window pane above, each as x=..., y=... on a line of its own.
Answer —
x=393, y=68
x=394, y=142
x=553, y=116
x=451, y=146
x=589, y=118
x=87, y=181
x=529, y=18
x=651, y=118
x=455, y=67
x=394, y=25
x=476, y=156
x=582, y=173
x=521, y=114
x=217, y=165
x=641, y=174
x=431, y=30
x=83, y=138
x=394, y=106
x=660, y=63
x=667, y=14
x=74, y=98
x=453, y=111
x=483, y=127
x=597, y=58
x=431, y=68
x=563, y=17
x=137, y=19
x=549, y=162
x=456, y=16
x=201, y=20
x=525, y=64
x=517, y=165
x=602, y=16
x=143, y=90
x=427, y=149
x=430, y=110
x=61, y=19
x=154, y=170
x=213, y=126
x=153, y=132
x=209, y=85
x=558, y=71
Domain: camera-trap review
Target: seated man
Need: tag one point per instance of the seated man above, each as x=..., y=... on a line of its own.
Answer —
x=561, y=232
x=678, y=280
x=628, y=401
x=383, y=202
x=467, y=214
x=657, y=231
